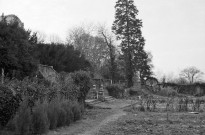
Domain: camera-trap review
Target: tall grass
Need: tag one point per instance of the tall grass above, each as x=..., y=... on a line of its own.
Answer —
x=40, y=122
x=23, y=119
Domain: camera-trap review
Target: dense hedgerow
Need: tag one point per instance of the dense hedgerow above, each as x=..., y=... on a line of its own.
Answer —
x=23, y=119
x=115, y=90
x=41, y=107
x=8, y=104
x=168, y=91
x=83, y=81
x=69, y=114
x=44, y=116
x=40, y=121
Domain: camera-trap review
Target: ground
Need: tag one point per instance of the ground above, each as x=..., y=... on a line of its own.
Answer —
x=94, y=119
x=155, y=123
x=119, y=118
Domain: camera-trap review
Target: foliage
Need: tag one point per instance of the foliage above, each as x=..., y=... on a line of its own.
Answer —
x=61, y=57
x=16, y=48
x=83, y=81
x=52, y=112
x=61, y=117
x=143, y=63
x=9, y=104
x=76, y=109
x=116, y=90
x=44, y=116
x=45, y=106
x=69, y=113
x=135, y=92
x=40, y=123
x=68, y=88
x=23, y=119
x=128, y=29
x=167, y=92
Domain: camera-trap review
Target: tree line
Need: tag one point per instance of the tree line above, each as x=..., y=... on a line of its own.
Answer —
x=22, y=50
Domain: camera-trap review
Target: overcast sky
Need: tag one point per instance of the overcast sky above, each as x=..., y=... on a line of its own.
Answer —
x=174, y=29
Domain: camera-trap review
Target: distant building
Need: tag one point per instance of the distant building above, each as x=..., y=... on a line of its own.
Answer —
x=11, y=19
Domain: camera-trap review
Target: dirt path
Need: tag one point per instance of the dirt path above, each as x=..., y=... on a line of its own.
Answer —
x=94, y=119
x=95, y=129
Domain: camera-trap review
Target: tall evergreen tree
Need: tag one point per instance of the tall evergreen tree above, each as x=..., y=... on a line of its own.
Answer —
x=128, y=30
x=142, y=62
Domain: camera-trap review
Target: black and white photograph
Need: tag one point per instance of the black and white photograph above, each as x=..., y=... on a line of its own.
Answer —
x=102, y=67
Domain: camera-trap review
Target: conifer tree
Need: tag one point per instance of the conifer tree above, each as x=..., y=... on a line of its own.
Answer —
x=127, y=28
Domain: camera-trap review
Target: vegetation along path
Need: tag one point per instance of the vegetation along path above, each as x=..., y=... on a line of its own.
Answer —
x=95, y=119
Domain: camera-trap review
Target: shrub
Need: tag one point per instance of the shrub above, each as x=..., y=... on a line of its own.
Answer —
x=76, y=109
x=9, y=104
x=52, y=113
x=23, y=119
x=11, y=125
x=40, y=123
x=83, y=81
x=134, y=92
x=69, y=114
x=61, y=117
x=168, y=91
x=115, y=90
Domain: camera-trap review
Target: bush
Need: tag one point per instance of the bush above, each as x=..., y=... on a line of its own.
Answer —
x=40, y=123
x=76, y=109
x=83, y=81
x=9, y=104
x=135, y=92
x=168, y=91
x=11, y=125
x=52, y=113
x=61, y=117
x=63, y=113
x=115, y=90
x=69, y=114
x=35, y=116
x=23, y=120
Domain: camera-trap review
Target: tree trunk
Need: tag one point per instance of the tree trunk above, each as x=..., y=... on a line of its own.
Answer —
x=112, y=60
x=2, y=75
x=129, y=71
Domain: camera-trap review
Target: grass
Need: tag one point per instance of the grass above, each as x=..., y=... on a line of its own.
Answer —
x=156, y=123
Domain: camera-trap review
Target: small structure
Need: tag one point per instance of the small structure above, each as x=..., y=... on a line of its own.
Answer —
x=98, y=88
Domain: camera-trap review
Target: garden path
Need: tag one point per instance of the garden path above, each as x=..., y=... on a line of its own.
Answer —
x=95, y=119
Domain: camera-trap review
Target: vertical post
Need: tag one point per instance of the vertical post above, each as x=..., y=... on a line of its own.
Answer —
x=2, y=75
x=97, y=94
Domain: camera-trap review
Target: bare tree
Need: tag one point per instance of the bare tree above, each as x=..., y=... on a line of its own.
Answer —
x=55, y=39
x=91, y=46
x=192, y=74
x=41, y=37
x=109, y=41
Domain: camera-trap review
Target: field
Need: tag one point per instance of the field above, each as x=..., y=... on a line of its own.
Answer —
x=156, y=123
x=125, y=118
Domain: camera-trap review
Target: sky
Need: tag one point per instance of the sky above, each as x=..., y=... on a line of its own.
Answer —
x=174, y=29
